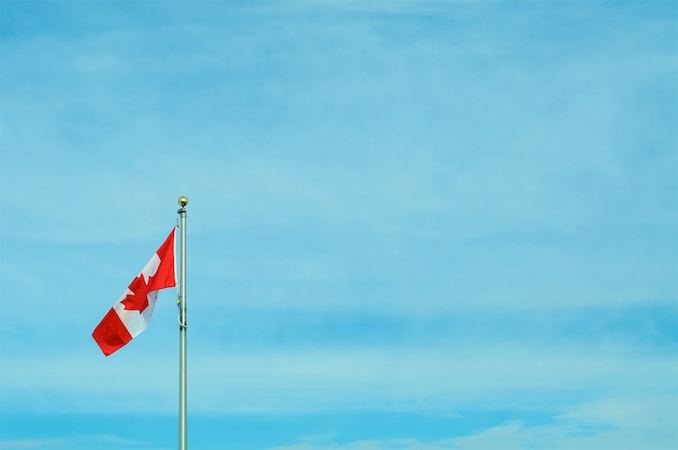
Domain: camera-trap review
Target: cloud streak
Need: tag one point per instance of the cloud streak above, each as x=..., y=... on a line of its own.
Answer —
x=442, y=379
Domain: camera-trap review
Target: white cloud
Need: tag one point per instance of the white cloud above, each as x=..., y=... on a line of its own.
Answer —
x=631, y=422
x=374, y=444
x=623, y=423
x=71, y=441
x=434, y=379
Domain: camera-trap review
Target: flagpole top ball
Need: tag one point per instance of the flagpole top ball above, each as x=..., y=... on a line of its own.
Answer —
x=183, y=201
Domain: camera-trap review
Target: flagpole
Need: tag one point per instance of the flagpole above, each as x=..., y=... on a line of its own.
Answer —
x=183, y=201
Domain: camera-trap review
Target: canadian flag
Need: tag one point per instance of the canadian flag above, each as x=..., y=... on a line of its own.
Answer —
x=132, y=312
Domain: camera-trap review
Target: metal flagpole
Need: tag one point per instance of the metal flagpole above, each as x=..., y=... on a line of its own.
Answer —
x=183, y=201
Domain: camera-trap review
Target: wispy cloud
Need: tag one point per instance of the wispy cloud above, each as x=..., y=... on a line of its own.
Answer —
x=436, y=379
x=73, y=441
x=635, y=422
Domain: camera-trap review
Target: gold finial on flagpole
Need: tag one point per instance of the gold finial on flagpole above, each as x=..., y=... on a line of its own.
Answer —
x=183, y=201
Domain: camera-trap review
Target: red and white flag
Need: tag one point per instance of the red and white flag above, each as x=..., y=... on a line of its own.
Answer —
x=132, y=312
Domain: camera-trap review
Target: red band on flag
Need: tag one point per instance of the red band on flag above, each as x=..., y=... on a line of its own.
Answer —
x=164, y=277
x=111, y=333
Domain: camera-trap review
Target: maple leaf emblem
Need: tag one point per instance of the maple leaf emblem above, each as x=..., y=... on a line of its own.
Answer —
x=138, y=299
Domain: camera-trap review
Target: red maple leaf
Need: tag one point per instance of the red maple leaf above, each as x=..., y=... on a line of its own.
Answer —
x=138, y=299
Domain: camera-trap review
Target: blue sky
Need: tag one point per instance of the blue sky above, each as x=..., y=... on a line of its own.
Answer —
x=412, y=224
